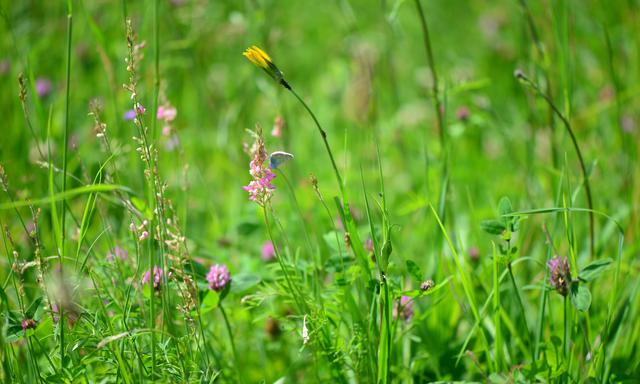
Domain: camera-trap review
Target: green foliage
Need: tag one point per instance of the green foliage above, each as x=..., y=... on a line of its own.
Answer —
x=409, y=118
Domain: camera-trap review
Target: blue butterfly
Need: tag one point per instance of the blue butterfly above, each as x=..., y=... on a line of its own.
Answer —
x=278, y=158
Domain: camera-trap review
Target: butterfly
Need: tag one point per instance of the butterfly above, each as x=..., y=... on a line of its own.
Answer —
x=278, y=158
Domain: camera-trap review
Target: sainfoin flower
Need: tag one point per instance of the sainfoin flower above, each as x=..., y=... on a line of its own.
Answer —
x=403, y=308
x=260, y=188
x=268, y=251
x=559, y=274
x=218, y=277
x=166, y=113
x=157, y=277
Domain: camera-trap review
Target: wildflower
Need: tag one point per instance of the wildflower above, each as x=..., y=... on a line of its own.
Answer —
x=268, y=251
x=218, y=277
x=278, y=124
x=143, y=236
x=140, y=109
x=403, y=308
x=474, y=253
x=43, y=87
x=166, y=113
x=70, y=313
x=129, y=115
x=260, y=188
x=260, y=59
x=117, y=253
x=463, y=113
x=305, y=331
x=426, y=285
x=157, y=277
x=28, y=324
x=560, y=274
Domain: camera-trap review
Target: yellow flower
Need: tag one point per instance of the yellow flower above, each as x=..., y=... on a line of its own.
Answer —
x=260, y=59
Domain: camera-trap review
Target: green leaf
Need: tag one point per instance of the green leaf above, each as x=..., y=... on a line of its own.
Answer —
x=414, y=270
x=247, y=227
x=594, y=269
x=31, y=311
x=210, y=302
x=494, y=227
x=504, y=206
x=580, y=297
x=244, y=281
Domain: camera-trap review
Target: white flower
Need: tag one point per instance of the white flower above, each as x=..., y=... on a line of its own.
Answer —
x=305, y=331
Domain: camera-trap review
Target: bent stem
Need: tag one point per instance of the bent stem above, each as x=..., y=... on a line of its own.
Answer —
x=324, y=139
x=585, y=176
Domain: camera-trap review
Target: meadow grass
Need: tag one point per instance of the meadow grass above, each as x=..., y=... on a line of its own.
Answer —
x=377, y=192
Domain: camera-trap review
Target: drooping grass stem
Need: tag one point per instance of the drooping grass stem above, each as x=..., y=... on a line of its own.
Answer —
x=323, y=133
x=434, y=74
x=574, y=140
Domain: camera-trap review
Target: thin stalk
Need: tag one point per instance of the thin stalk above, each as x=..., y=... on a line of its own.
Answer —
x=523, y=312
x=233, y=345
x=574, y=140
x=434, y=74
x=324, y=139
x=565, y=332
x=64, y=175
x=496, y=310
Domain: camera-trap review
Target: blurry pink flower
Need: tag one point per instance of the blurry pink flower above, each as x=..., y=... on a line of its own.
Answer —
x=140, y=109
x=43, y=86
x=28, y=324
x=117, y=253
x=403, y=308
x=218, y=277
x=277, y=127
x=268, y=251
x=143, y=236
x=166, y=113
x=463, y=113
x=157, y=277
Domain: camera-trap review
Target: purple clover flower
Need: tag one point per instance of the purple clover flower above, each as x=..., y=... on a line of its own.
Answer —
x=560, y=274
x=218, y=277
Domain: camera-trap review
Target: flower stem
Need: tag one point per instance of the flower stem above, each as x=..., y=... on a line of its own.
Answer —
x=64, y=176
x=324, y=139
x=233, y=345
x=583, y=168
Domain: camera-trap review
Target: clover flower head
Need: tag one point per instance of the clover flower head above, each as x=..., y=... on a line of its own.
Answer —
x=559, y=274
x=218, y=277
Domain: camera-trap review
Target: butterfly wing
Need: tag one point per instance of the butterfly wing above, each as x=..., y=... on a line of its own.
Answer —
x=278, y=158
